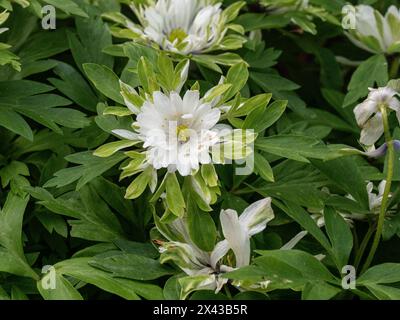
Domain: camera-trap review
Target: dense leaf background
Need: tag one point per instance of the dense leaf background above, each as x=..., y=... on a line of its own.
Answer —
x=62, y=206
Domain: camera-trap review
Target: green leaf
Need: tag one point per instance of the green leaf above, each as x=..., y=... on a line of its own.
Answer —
x=93, y=219
x=131, y=266
x=39, y=106
x=261, y=119
x=258, y=101
x=301, y=216
x=43, y=45
x=384, y=292
x=111, y=148
x=63, y=290
x=201, y=226
x=18, y=294
x=340, y=236
x=294, y=147
x=273, y=82
x=90, y=168
x=383, y=273
x=138, y=186
x=68, y=6
x=371, y=71
x=137, y=248
x=79, y=268
x=319, y=290
x=105, y=80
x=14, y=122
x=345, y=173
x=284, y=269
x=263, y=168
x=237, y=76
x=74, y=86
x=12, y=258
x=175, y=201
x=147, y=75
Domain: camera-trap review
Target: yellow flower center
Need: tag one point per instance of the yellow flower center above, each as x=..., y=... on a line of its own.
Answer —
x=177, y=34
x=183, y=133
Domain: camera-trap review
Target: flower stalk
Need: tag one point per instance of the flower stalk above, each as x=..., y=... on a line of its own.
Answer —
x=386, y=193
x=394, y=68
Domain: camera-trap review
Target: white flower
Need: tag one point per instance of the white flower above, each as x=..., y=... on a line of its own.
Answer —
x=204, y=268
x=369, y=116
x=182, y=26
x=375, y=33
x=178, y=132
x=375, y=200
x=239, y=230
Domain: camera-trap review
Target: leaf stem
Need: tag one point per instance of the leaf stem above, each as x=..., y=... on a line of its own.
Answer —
x=386, y=193
x=394, y=68
x=228, y=292
x=363, y=245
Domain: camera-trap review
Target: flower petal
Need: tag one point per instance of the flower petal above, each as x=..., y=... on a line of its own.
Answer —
x=220, y=250
x=372, y=130
x=256, y=216
x=237, y=236
x=195, y=283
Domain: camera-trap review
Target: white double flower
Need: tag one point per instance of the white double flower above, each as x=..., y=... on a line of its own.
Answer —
x=182, y=26
x=182, y=133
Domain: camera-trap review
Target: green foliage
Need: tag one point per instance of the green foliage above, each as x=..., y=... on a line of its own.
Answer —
x=82, y=205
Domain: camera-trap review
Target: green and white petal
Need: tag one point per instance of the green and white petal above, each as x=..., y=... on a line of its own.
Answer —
x=183, y=255
x=196, y=283
x=256, y=216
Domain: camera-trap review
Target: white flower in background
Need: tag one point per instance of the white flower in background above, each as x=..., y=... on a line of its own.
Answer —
x=375, y=199
x=369, y=116
x=204, y=268
x=182, y=26
x=375, y=33
x=374, y=204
